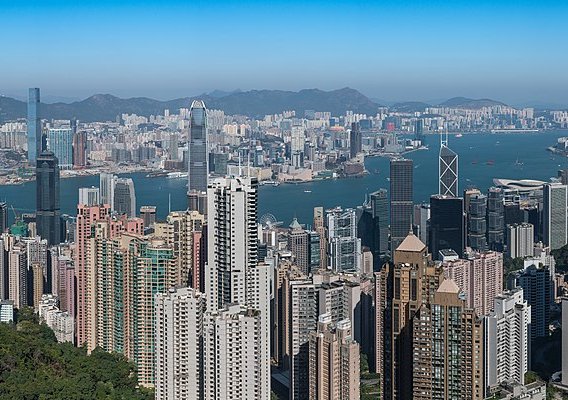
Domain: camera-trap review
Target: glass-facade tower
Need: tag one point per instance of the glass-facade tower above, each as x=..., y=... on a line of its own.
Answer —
x=48, y=213
x=198, y=157
x=401, y=200
x=34, y=126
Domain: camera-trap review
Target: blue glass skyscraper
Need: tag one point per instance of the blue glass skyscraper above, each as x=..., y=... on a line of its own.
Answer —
x=34, y=125
x=198, y=157
x=60, y=142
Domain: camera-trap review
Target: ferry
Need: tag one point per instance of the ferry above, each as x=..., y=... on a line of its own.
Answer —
x=459, y=135
x=307, y=191
x=176, y=175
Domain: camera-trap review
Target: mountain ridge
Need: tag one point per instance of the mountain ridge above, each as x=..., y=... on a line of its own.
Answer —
x=252, y=103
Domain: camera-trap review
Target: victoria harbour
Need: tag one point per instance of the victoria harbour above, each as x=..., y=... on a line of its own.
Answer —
x=482, y=157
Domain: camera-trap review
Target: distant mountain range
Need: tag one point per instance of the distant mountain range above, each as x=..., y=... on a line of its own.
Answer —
x=254, y=103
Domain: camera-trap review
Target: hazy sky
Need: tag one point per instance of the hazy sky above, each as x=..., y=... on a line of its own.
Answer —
x=511, y=50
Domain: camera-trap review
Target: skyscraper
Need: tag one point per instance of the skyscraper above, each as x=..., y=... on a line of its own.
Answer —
x=298, y=244
x=538, y=291
x=373, y=225
x=555, y=216
x=34, y=126
x=48, y=213
x=148, y=214
x=89, y=196
x=344, y=245
x=507, y=339
x=401, y=288
x=179, y=344
x=232, y=239
x=477, y=222
x=447, y=230
x=520, y=240
x=198, y=157
x=495, y=219
x=355, y=140
x=334, y=361
x=79, y=149
x=3, y=216
x=60, y=142
x=124, y=201
x=106, y=186
x=448, y=170
x=447, y=351
x=401, y=200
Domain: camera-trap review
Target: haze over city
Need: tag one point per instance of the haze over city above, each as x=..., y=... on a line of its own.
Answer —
x=391, y=51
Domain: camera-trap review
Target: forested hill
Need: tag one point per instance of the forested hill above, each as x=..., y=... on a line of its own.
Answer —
x=34, y=366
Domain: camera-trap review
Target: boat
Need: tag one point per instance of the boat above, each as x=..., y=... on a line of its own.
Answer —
x=490, y=162
x=307, y=191
x=474, y=162
x=459, y=135
x=176, y=175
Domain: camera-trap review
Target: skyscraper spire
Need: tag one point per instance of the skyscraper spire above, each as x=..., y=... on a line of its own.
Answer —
x=448, y=168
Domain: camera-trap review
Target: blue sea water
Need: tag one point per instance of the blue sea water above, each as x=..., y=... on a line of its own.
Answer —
x=482, y=157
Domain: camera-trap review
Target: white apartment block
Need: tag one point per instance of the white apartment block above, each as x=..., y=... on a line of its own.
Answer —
x=507, y=337
x=179, y=344
x=233, y=359
x=520, y=240
x=61, y=322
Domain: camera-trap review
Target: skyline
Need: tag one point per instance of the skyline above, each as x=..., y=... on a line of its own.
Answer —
x=508, y=52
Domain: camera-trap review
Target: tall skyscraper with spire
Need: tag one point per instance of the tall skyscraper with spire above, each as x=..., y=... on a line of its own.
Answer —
x=198, y=157
x=448, y=169
x=34, y=126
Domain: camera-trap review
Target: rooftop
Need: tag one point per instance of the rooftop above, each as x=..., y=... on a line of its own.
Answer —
x=411, y=243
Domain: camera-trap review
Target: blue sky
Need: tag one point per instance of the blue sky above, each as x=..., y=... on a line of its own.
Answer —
x=516, y=51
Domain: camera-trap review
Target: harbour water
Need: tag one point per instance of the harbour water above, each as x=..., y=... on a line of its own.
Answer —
x=482, y=157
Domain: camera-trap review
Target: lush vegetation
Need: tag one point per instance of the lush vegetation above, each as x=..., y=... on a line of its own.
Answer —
x=34, y=366
x=369, y=381
x=561, y=258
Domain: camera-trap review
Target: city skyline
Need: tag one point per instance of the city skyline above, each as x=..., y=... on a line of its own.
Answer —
x=460, y=49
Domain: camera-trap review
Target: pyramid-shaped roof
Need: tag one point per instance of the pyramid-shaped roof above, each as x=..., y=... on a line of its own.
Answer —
x=411, y=243
x=448, y=286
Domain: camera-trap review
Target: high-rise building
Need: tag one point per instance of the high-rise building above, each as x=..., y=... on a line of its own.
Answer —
x=180, y=230
x=477, y=222
x=334, y=361
x=400, y=289
x=448, y=170
x=34, y=126
x=85, y=274
x=479, y=277
x=198, y=152
x=48, y=213
x=90, y=196
x=124, y=201
x=302, y=320
x=151, y=269
x=401, y=200
x=495, y=219
x=373, y=225
x=507, y=338
x=538, y=292
x=106, y=186
x=37, y=284
x=3, y=217
x=319, y=227
x=447, y=351
x=447, y=230
x=520, y=240
x=565, y=342
x=555, y=215
x=60, y=142
x=79, y=149
x=355, y=140
x=148, y=215
x=233, y=364
x=422, y=221
x=232, y=237
x=179, y=344
x=344, y=245
x=298, y=244
x=18, y=275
